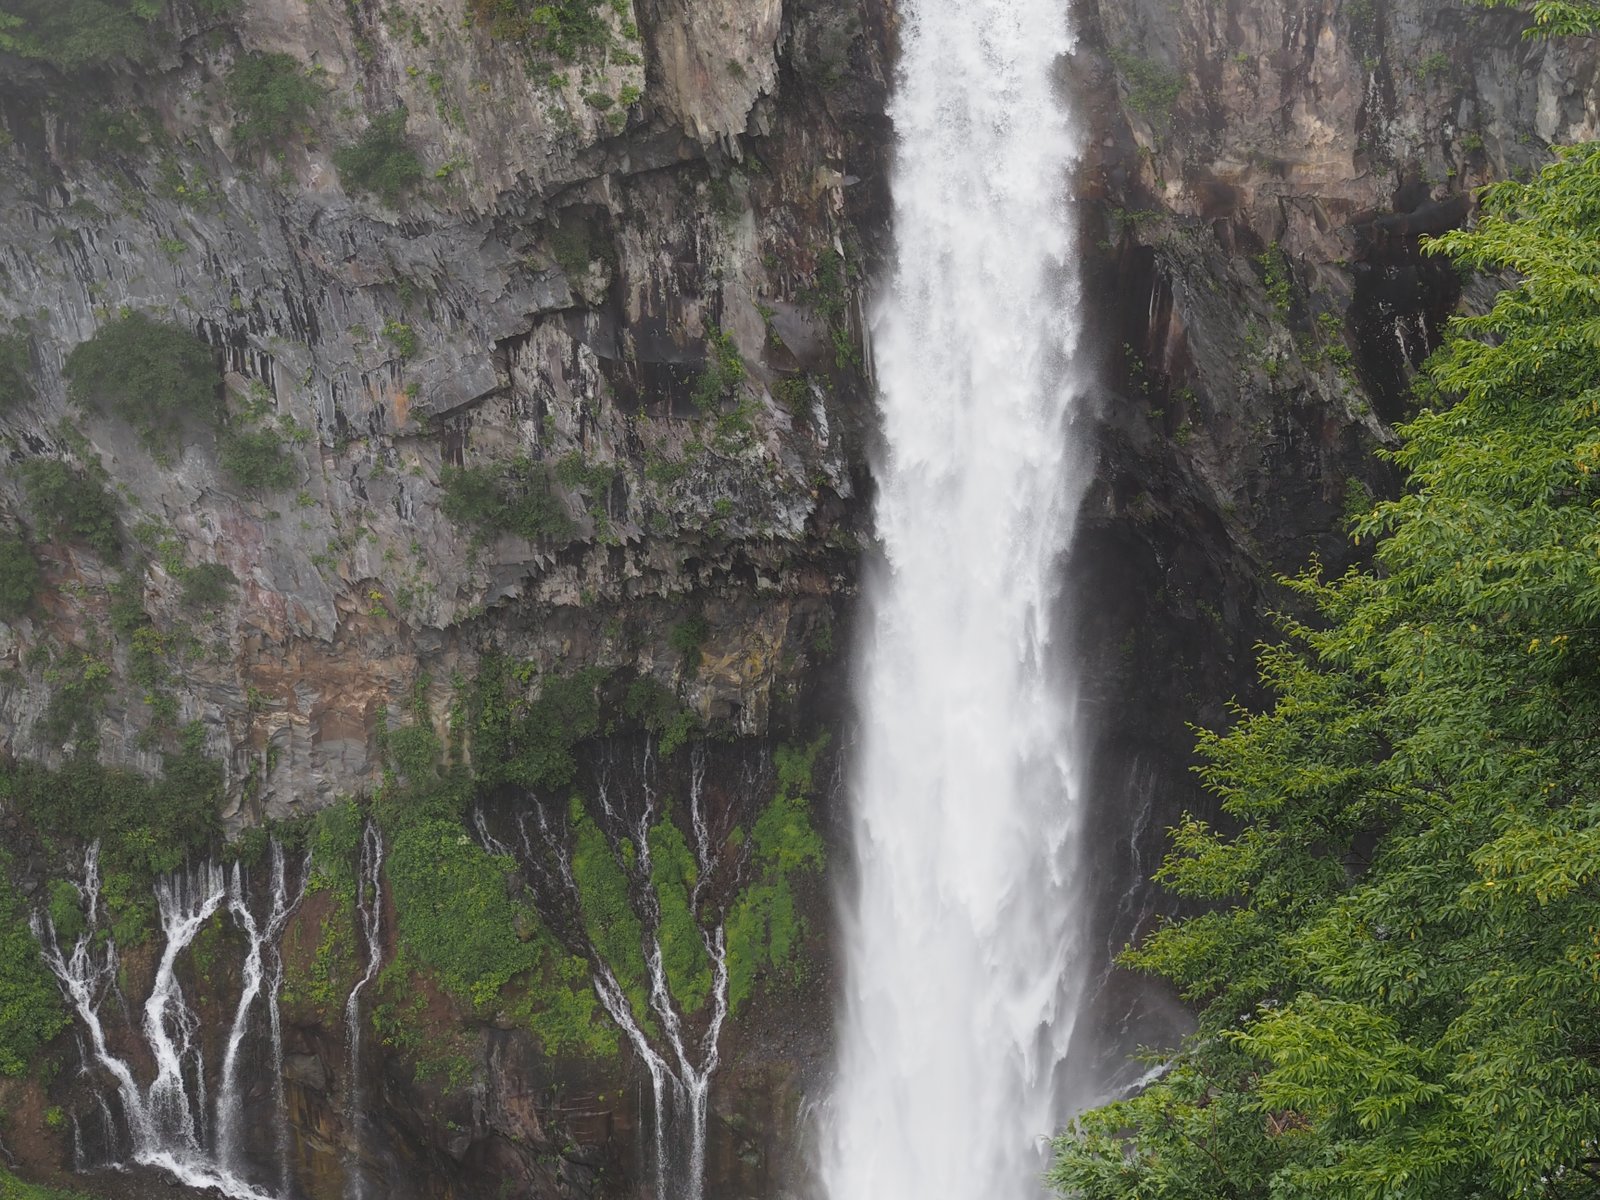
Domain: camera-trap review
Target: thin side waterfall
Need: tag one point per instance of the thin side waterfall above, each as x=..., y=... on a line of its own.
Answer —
x=961, y=946
x=680, y=1074
x=369, y=915
x=171, y=1121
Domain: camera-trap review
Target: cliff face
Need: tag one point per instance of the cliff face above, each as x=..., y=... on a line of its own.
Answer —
x=632, y=274
x=580, y=238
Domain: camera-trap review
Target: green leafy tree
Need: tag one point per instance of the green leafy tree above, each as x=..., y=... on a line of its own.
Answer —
x=74, y=34
x=380, y=161
x=72, y=504
x=273, y=97
x=1400, y=973
x=19, y=577
x=152, y=374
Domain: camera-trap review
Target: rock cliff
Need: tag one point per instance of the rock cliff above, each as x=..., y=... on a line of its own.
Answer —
x=618, y=283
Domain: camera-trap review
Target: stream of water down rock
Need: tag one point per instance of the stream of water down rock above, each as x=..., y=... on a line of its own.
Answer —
x=961, y=947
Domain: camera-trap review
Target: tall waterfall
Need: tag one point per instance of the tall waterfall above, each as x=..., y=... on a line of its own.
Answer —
x=961, y=946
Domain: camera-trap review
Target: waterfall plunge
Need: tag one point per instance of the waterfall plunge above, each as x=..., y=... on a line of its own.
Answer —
x=961, y=945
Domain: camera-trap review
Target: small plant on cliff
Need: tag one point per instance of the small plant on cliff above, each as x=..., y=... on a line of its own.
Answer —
x=154, y=375
x=256, y=459
x=273, y=97
x=723, y=374
x=563, y=29
x=510, y=497
x=72, y=504
x=380, y=161
x=19, y=577
x=16, y=371
x=1153, y=90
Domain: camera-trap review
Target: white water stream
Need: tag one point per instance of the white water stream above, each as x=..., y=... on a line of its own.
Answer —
x=961, y=946
x=169, y=1121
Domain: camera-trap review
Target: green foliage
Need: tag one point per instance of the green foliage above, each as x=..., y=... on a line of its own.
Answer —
x=661, y=713
x=724, y=372
x=763, y=926
x=1555, y=18
x=1152, y=88
x=1401, y=992
x=402, y=337
x=529, y=743
x=683, y=950
x=208, y=586
x=73, y=505
x=152, y=374
x=16, y=371
x=78, y=684
x=273, y=97
x=562, y=29
x=687, y=636
x=612, y=926
x=508, y=497
x=31, y=1011
x=12, y=1188
x=380, y=161
x=458, y=916
x=19, y=577
x=256, y=459
x=145, y=826
x=335, y=840
x=74, y=34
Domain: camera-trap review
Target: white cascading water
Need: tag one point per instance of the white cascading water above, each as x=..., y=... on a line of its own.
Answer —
x=960, y=941
x=167, y=1121
x=681, y=1083
x=369, y=916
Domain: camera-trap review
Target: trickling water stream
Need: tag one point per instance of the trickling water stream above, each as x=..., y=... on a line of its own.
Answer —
x=171, y=1123
x=961, y=947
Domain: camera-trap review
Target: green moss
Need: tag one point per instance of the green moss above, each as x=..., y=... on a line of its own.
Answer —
x=562, y=29
x=256, y=459
x=763, y=927
x=724, y=372
x=683, y=952
x=144, y=825
x=12, y=1188
x=508, y=497
x=613, y=927
x=16, y=371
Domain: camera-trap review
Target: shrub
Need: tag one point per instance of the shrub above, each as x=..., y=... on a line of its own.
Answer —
x=208, y=586
x=563, y=28
x=724, y=371
x=510, y=497
x=686, y=637
x=72, y=505
x=19, y=577
x=273, y=98
x=16, y=371
x=152, y=374
x=380, y=161
x=31, y=1012
x=256, y=459
x=73, y=34
x=1152, y=89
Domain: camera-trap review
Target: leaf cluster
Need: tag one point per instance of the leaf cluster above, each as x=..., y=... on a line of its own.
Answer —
x=1400, y=958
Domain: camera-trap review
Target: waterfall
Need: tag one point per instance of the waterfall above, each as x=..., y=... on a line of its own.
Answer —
x=168, y=1120
x=369, y=916
x=961, y=948
x=680, y=1074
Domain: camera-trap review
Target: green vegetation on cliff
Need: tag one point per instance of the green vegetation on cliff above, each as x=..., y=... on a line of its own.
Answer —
x=273, y=97
x=1399, y=961
x=31, y=1011
x=154, y=375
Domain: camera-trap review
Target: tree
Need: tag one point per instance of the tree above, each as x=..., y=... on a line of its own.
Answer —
x=152, y=374
x=1401, y=977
